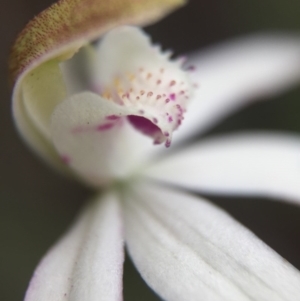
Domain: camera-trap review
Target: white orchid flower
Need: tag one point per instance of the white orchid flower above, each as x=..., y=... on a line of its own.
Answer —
x=96, y=111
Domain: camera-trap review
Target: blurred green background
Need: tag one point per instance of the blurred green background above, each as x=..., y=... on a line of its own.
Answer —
x=37, y=205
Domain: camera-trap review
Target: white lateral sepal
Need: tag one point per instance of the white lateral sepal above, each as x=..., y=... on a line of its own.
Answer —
x=188, y=249
x=87, y=263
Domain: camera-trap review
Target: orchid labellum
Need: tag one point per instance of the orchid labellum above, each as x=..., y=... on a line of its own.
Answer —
x=107, y=114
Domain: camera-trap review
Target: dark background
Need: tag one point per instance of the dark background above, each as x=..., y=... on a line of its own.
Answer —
x=36, y=205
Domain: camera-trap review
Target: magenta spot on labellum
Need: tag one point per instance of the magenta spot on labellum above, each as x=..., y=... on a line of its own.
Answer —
x=167, y=100
x=168, y=143
x=179, y=108
x=170, y=119
x=105, y=126
x=172, y=96
x=143, y=125
x=166, y=134
x=112, y=117
x=155, y=120
x=141, y=112
x=66, y=159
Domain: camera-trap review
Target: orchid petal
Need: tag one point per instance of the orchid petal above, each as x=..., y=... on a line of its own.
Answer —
x=232, y=75
x=94, y=138
x=261, y=164
x=188, y=249
x=87, y=263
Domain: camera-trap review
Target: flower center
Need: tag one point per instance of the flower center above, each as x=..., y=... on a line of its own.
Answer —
x=136, y=87
x=153, y=89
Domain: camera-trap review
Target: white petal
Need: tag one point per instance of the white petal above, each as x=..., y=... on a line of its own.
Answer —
x=94, y=138
x=233, y=74
x=188, y=249
x=262, y=164
x=86, y=264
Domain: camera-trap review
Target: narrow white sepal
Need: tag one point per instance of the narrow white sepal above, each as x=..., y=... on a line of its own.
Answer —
x=261, y=164
x=87, y=263
x=231, y=75
x=188, y=249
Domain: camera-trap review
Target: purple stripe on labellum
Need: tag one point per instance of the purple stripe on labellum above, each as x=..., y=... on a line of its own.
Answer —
x=112, y=117
x=105, y=126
